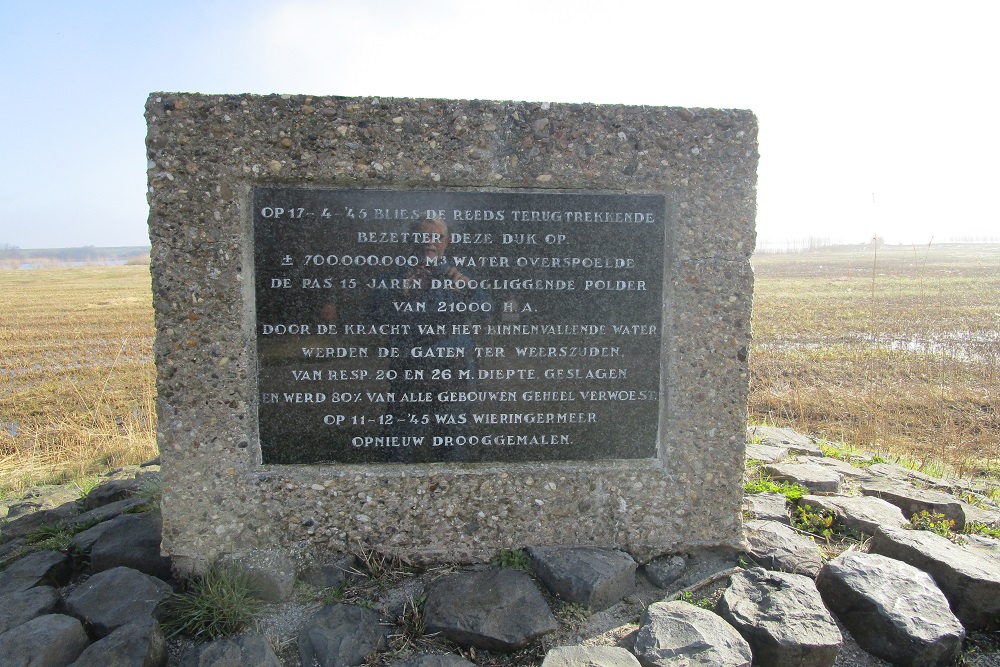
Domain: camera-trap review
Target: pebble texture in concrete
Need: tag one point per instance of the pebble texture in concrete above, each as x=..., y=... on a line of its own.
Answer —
x=206, y=152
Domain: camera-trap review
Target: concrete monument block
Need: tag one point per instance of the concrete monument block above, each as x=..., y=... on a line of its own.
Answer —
x=442, y=328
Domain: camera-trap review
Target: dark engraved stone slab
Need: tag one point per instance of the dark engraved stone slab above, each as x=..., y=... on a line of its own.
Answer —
x=422, y=326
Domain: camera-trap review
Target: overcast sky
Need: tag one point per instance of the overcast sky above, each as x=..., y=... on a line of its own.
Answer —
x=875, y=117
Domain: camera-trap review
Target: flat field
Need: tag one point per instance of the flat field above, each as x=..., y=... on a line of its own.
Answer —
x=897, y=350
x=77, y=381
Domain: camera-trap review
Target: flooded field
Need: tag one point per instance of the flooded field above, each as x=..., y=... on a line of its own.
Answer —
x=898, y=349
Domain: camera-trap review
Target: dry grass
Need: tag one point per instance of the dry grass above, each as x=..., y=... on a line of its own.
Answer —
x=77, y=382
x=898, y=352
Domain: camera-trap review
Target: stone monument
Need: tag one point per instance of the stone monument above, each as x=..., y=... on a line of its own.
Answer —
x=443, y=328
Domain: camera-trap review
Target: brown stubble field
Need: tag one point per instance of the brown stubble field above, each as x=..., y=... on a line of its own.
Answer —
x=77, y=381
x=904, y=359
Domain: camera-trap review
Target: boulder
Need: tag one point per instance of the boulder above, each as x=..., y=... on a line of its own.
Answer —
x=270, y=573
x=109, y=511
x=784, y=437
x=494, y=609
x=663, y=571
x=817, y=479
x=109, y=492
x=697, y=565
x=84, y=541
x=765, y=453
x=678, y=633
x=912, y=500
x=52, y=640
x=901, y=474
x=597, y=578
x=243, y=650
x=775, y=546
x=861, y=513
x=139, y=644
x=842, y=467
x=41, y=568
x=589, y=656
x=330, y=574
x=23, y=606
x=20, y=525
x=973, y=514
x=132, y=541
x=110, y=599
x=968, y=578
x=988, y=546
x=768, y=507
x=341, y=635
x=892, y=609
x=782, y=617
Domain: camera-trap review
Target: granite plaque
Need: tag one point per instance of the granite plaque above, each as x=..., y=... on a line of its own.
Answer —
x=451, y=326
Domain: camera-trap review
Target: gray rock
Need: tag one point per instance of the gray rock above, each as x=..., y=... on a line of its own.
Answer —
x=23, y=524
x=988, y=546
x=110, y=599
x=969, y=579
x=768, y=507
x=674, y=633
x=842, y=467
x=109, y=492
x=84, y=541
x=270, y=573
x=784, y=437
x=133, y=541
x=912, y=500
x=52, y=640
x=901, y=474
x=765, y=453
x=892, y=609
x=109, y=511
x=330, y=574
x=782, y=617
x=664, y=570
x=341, y=635
x=23, y=606
x=597, y=578
x=435, y=660
x=246, y=649
x=139, y=644
x=40, y=498
x=496, y=609
x=975, y=514
x=817, y=479
x=861, y=513
x=703, y=564
x=775, y=546
x=41, y=568
x=589, y=656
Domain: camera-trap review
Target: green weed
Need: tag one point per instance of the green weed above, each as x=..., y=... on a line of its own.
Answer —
x=977, y=528
x=573, y=612
x=936, y=523
x=703, y=602
x=815, y=522
x=513, y=558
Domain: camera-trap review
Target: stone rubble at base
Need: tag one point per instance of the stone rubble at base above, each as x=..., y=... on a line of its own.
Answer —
x=93, y=610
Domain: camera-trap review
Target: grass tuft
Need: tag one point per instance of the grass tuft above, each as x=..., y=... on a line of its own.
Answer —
x=218, y=604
